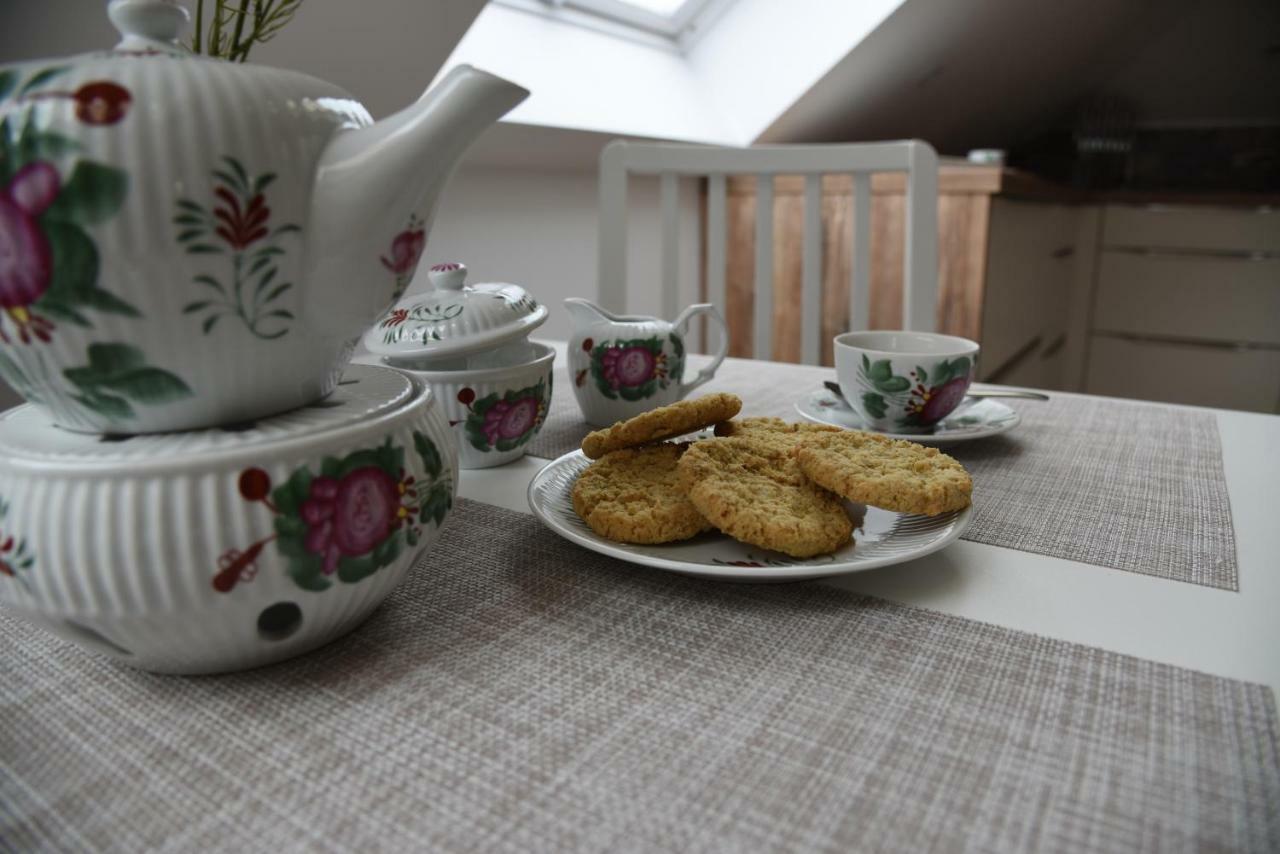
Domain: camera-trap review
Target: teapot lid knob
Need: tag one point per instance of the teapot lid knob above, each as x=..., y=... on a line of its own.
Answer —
x=448, y=277
x=148, y=23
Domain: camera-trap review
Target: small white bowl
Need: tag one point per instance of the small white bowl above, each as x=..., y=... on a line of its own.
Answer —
x=224, y=549
x=495, y=411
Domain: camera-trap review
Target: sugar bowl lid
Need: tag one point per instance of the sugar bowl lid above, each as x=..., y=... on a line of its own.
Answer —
x=455, y=318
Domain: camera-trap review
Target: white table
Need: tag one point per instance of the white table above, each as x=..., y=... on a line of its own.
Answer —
x=1223, y=632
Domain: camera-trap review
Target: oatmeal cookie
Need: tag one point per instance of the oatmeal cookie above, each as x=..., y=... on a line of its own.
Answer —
x=665, y=422
x=891, y=473
x=633, y=496
x=753, y=490
x=784, y=433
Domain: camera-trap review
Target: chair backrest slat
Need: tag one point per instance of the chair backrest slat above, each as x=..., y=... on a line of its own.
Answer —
x=717, y=193
x=860, y=283
x=669, y=202
x=671, y=162
x=763, y=326
x=811, y=273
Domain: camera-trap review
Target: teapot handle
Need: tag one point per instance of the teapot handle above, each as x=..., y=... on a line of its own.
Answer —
x=680, y=325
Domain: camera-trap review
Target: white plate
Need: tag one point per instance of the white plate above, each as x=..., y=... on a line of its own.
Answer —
x=883, y=538
x=974, y=418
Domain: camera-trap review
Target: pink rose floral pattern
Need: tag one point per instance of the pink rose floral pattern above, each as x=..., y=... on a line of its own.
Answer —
x=237, y=225
x=350, y=519
x=48, y=261
x=504, y=422
x=406, y=251
x=636, y=368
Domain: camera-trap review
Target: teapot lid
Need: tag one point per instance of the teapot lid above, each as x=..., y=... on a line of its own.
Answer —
x=454, y=318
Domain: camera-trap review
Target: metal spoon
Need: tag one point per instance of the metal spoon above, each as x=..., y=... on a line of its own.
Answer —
x=1029, y=395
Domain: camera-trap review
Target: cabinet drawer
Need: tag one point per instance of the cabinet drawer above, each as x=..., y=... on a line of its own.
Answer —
x=1205, y=297
x=1175, y=373
x=1195, y=228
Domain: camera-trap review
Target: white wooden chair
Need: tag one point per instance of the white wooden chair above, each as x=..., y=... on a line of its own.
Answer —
x=672, y=162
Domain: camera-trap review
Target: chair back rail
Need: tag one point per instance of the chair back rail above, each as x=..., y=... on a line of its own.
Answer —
x=671, y=163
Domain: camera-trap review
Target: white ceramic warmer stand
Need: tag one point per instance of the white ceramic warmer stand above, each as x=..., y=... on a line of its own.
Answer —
x=226, y=548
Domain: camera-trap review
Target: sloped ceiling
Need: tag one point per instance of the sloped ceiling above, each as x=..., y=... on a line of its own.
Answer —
x=990, y=73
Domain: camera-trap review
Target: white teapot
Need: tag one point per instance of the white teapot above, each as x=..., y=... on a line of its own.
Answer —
x=622, y=365
x=188, y=242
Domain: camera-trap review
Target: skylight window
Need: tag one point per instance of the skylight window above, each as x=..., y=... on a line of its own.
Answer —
x=670, y=20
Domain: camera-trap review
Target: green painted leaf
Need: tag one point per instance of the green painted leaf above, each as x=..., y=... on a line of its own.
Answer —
x=288, y=496
x=287, y=228
x=357, y=460
x=204, y=249
x=277, y=291
x=280, y=313
x=193, y=307
x=431, y=461
x=922, y=376
x=353, y=569
x=875, y=404
x=960, y=367
x=866, y=363
x=290, y=527
x=241, y=176
x=231, y=180
x=263, y=181
x=388, y=550
x=42, y=77
x=105, y=404
x=265, y=280
x=107, y=302
x=190, y=219
x=44, y=145
x=192, y=207
x=60, y=310
x=93, y=193
x=208, y=281
x=210, y=322
x=148, y=385
x=191, y=234
x=881, y=370
x=107, y=359
x=8, y=79
x=258, y=265
x=75, y=261
x=894, y=385
x=308, y=573
x=437, y=503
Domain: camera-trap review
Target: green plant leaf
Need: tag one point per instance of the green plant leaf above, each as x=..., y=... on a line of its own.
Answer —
x=431, y=461
x=922, y=375
x=191, y=234
x=388, y=550
x=8, y=79
x=93, y=193
x=114, y=358
x=193, y=307
x=42, y=77
x=960, y=366
x=241, y=175
x=230, y=180
x=866, y=363
x=308, y=573
x=192, y=207
x=204, y=249
x=263, y=181
x=277, y=291
x=209, y=281
x=437, y=503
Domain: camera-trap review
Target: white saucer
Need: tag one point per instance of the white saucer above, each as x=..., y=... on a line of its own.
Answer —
x=974, y=418
x=882, y=538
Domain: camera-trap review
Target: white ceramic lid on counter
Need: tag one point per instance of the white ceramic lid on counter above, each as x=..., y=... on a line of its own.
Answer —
x=454, y=318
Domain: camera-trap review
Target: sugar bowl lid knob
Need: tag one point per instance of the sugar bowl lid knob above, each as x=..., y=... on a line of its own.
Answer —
x=448, y=277
x=147, y=23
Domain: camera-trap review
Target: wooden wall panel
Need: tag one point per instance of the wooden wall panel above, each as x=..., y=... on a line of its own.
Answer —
x=963, y=221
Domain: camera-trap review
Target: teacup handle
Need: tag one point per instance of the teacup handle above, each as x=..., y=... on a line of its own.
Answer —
x=682, y=322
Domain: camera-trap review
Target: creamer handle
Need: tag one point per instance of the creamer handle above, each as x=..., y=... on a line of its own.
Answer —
x=680, y=325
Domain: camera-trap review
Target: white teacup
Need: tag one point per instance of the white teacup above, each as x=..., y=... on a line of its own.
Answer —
x=904, y=382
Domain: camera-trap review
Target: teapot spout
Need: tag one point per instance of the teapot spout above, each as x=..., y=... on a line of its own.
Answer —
x=376, y=187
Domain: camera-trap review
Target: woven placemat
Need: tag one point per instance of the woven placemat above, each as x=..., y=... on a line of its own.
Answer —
x=1130, y=486
x=519, y=693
